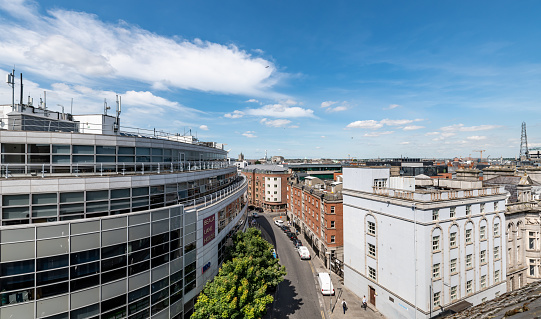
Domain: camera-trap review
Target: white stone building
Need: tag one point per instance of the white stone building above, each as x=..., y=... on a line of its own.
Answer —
x=417, y=247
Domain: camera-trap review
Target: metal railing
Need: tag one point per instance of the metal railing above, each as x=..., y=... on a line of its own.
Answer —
x=437, y=195
x=106, y=169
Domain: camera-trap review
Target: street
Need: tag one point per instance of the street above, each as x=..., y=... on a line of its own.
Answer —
x=297, y=296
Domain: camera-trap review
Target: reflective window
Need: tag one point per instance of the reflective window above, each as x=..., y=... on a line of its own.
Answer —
x=85, y=256
x=52, y=262
x=16, y=268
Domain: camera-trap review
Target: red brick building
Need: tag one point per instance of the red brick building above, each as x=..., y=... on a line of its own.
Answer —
x=315, y=209
x=267, y=186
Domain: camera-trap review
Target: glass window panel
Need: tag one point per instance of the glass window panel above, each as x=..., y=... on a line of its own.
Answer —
x=113, y=275
x=113, y=263
x=97, y=195
x=67, y=209
x=39, y=159
x=44, y=211
x=120, y=193
x=16, y=268
x=61, y=149
x=17, y=282
x=126, y=150
x=140, y=191
x=83, y=159
x=160, y=284
x=138, y=256
x=72, y=197
x=140, y=201
x=138, y=244
x=85, y=270
x=158, y=159
x=64, y=315
x=139, y=293
x=85, y=256
x=97, y=207
x=39, y=199
x=83, y=149
x=143, y=151
x=39, y=148
x=13, y=148
x=15, y=213
x=106, y=150
x=125, y=159
x=13, y=159
x=61, y=159
x=52, y=262
x=157, y=151
x=139, y=267
x=85, y=282
x=15, y=200
x=120, y=204
x=112, y=251
x=52, y=290
x=49, y=277
x=143, y=159
x=105, y=159
x=159, y=189
x=85, y=312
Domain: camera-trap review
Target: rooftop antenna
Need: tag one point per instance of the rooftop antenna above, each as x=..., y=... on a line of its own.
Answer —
x=44, y=100
x=524, y=154
x=118, y=111
x=10, y=79
x=105, y=107
x=21, y=99
x=71, y=107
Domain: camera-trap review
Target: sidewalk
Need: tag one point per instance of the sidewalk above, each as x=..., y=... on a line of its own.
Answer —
x=353, y=301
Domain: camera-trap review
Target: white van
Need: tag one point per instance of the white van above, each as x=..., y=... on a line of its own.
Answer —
x=324, y=280
x=304, y=252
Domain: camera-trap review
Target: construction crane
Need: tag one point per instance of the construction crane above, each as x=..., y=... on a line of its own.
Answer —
x=481, y=154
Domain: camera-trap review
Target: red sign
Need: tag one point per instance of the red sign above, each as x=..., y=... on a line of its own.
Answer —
x=209, y=229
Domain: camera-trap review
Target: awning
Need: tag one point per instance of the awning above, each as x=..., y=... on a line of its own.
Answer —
x=459, y=306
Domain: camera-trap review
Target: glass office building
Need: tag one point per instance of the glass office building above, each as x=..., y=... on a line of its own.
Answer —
x=109, y=224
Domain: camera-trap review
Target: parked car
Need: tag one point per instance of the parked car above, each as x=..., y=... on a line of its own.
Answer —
x=255, y=215
x=274, y=253
x=297, y=242
x=292, y=236
x=304, y=252
x=285, y=228
x=325, y=283
x=279, y=222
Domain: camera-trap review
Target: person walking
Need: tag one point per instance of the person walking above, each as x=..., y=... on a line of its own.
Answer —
x=344, y=305
x=364, y=303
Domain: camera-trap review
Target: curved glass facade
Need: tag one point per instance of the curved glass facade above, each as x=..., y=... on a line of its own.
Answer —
x=112, y=246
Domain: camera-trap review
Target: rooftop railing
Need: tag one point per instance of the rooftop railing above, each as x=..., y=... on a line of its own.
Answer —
x=437, y=195
x=106, y=169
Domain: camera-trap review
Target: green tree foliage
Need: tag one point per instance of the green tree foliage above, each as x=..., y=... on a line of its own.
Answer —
x=240, y=288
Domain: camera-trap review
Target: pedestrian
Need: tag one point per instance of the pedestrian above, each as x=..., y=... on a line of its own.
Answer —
x=364, y=303
x=344, y=305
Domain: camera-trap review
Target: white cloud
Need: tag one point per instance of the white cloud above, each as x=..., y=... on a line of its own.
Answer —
x=318, y=147
x=204, y=127
x=252, y=101
x=283, y=110
x=396, y=122
x=275, y=123
x=432, y=133
x=462, y=128
x=393, y=106
x=249, y=134
x=412, y=127
x=78, y=47
x=235, y=115
x=476, y=138
x=369, y=124
x=328, y=103
x=322, y=136
x=404, y=143
x=337, y=109
x=376, y=134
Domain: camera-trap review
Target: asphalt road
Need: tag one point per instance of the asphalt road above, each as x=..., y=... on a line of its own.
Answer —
x=297, y=296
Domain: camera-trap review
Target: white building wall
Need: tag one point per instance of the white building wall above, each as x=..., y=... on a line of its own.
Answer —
x=275, y=189
x=395, y=237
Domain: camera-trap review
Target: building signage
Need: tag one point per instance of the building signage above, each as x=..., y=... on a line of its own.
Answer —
x=209, y=229
x=205, y=268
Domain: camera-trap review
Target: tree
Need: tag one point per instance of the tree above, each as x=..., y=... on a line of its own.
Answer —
x=240, y=288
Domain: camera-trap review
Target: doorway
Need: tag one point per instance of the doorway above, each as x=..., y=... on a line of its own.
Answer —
x=372, y=295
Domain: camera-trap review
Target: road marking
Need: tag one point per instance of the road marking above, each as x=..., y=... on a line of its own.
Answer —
x=322, y=315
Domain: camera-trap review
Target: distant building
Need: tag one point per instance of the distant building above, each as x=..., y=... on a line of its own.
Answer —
x=418, y=246
x=522, y=229
x=322, y=171
x=277, y=159
x=315, y=208
x=266, y=186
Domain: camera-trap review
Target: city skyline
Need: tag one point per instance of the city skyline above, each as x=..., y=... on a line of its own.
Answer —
x=305, y=79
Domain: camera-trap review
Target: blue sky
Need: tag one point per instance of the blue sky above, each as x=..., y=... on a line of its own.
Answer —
x=331, y=79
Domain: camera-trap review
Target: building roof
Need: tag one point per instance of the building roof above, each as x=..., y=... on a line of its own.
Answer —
x=262, y=168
